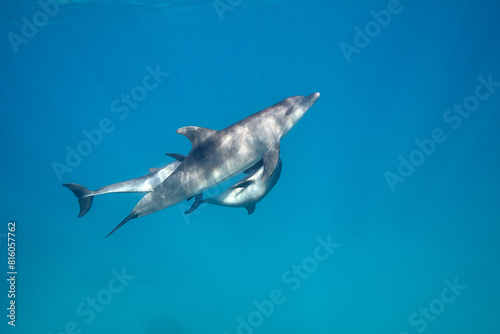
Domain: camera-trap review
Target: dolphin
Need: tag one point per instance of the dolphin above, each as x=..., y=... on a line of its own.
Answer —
x=140, y=184
x=245, y=193
x=217, y=156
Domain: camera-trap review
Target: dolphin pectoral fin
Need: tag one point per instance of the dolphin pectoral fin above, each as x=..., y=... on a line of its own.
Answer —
x=130, y=216
x=198, y=200
x=242, y=184
x=270, y=160
x=84, y=197
x=195, y=134
x=250, y=209
x=253, y=168
x=176, y=156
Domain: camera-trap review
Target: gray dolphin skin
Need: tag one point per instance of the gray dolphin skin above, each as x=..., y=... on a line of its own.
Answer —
x=217, y=156
x=245, y=193
x=140, y=184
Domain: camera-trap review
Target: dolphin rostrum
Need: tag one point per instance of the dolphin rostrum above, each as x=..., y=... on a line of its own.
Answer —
x=245, y=193
x=217, y=156
x=140, y=184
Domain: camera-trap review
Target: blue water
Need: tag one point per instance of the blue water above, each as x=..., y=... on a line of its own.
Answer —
x=380, y=250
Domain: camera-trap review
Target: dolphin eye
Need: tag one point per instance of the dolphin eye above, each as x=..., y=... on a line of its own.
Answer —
x=290, y=111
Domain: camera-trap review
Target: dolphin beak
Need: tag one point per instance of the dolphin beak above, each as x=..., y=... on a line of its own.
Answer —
x=308, y=101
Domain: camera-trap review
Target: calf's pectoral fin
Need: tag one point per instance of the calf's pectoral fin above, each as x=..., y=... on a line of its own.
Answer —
x=270, y=160
x=197, y=201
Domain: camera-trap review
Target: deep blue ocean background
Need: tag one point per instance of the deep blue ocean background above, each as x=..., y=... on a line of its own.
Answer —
x=398, y=248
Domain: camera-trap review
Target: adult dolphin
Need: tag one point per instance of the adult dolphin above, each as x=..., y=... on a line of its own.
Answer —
x=245, y=193
x=138, y=185
x=216, y=156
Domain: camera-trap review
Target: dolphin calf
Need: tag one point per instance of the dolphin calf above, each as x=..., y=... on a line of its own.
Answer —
x=140, y=184
x=217, y=156
x=245, y=193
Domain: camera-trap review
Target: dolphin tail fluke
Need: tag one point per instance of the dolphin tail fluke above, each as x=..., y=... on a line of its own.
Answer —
x=197, y=201
x=84, y=197
x=130, y=216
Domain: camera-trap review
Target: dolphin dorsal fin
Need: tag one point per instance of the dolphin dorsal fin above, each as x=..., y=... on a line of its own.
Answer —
x=250, y=209
x=196, y=134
